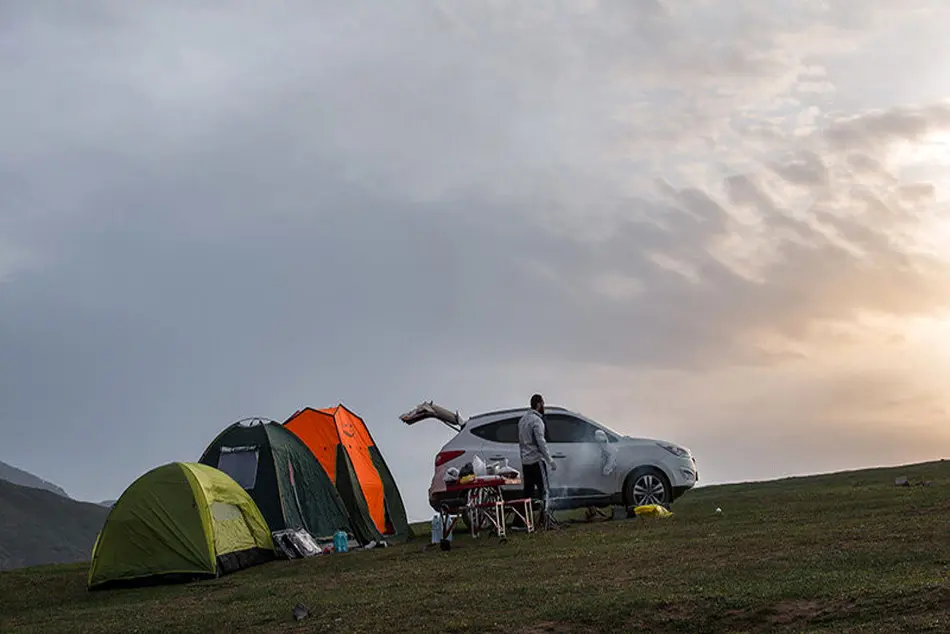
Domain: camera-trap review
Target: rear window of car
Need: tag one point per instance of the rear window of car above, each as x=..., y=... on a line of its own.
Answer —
x=500, y=431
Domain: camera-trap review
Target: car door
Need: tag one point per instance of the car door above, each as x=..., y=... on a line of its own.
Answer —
x=579, y=475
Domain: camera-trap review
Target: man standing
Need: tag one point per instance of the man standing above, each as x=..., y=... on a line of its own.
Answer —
x=535, y=457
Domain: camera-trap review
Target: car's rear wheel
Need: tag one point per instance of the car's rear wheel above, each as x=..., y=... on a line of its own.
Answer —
x=648, y=485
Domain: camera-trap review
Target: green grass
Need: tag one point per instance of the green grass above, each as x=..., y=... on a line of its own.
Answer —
x=848, y=552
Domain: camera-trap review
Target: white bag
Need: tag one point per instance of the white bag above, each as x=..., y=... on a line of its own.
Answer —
x=509, y=472
x=479, y=467
x=498, y=467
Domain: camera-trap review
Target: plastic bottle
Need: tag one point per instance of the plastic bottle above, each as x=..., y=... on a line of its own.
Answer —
x=436, y=528
x=341, y=542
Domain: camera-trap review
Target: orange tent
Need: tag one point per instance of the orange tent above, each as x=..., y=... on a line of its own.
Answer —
x=343, y=445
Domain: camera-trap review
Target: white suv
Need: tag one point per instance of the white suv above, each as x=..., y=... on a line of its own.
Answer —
x=647, y=471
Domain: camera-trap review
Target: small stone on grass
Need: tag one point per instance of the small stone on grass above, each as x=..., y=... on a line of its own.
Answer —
x=301, y=612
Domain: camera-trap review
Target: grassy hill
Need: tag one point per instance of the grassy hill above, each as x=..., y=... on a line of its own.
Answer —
x=41, y=527
x=849, y=552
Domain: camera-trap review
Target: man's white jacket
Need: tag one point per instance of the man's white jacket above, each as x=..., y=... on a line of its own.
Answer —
x=534, y=448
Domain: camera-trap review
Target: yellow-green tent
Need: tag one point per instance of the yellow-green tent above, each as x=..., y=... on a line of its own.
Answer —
x=180, y=520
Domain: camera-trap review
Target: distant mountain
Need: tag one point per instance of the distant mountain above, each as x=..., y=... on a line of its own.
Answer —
x=23, y=478
x=108, y=503
x=41, y=527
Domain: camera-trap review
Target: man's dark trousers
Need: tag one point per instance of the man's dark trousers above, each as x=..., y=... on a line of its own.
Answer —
x=535, y=477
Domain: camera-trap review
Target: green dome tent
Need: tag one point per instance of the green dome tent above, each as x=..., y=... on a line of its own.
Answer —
x=283, y=477
x=179, y=521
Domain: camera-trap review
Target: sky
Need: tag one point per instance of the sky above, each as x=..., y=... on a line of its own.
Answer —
x=721, y=223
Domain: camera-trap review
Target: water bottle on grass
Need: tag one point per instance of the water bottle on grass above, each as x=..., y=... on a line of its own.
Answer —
x=341, y=541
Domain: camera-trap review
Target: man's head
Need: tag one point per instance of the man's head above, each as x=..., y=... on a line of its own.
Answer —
x=537, y=403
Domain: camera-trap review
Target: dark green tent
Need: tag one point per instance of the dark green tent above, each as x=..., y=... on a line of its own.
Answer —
x=283, y=477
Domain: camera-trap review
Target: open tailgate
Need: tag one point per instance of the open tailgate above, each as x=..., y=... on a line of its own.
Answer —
x=428, y=409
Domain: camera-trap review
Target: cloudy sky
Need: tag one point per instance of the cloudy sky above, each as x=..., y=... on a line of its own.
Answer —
x=719, y=222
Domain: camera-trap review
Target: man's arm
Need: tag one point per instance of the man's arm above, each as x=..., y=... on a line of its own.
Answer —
x=538, y=427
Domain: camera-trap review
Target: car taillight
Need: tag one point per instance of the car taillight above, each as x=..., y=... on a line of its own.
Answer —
x=444, y=456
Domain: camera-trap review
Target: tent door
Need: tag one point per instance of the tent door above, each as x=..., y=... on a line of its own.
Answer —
x=231, y=532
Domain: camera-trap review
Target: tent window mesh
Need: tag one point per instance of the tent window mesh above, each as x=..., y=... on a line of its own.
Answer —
x=223, y=512
x=240, y=464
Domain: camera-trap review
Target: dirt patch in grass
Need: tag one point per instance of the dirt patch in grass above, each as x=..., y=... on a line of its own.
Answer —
x=550, y=627
x=809, y=611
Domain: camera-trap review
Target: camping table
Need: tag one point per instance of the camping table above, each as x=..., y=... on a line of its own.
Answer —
x=484, y=501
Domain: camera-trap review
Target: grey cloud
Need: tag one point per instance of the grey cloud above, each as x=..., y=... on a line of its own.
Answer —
x=862, y=163
x=813, y=279
x=903, y=123
x=744, y=192
x=917, y=192
x=805, y=168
